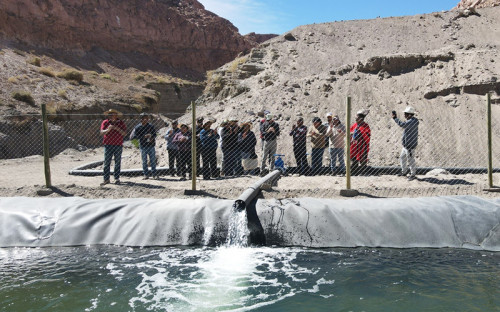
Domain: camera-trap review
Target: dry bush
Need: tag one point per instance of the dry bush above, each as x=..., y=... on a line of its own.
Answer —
x=35, y=61
x=23, y=96
x=47, y=71
x=71, y=74
x=62, y=93
x=13, y=80
x=139, y=77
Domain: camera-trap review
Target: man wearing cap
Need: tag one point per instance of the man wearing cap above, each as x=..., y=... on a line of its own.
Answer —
x=299, y=135
x=335, y=134
x=113, y=130
x=360, y=142
x=172, y=148
x=270, y=131
x=146, y=133
x=410, y=142
x=318, y=142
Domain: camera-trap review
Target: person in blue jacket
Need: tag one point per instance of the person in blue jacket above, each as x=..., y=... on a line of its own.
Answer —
x=145, y=132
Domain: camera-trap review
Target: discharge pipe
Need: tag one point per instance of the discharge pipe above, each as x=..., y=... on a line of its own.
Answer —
x=249, y=194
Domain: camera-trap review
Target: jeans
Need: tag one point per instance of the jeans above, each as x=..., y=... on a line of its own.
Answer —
x=408, y=158
x=230, y=158
x=184, y=164
x=145, y=152
x=337, y=153
x=209, y=157
x=316, y=160
x=173, y=159
x=111, y=151
x=301, y=159
x=269, y=149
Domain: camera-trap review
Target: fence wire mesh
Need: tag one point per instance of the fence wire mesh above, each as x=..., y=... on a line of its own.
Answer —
x=153, y=156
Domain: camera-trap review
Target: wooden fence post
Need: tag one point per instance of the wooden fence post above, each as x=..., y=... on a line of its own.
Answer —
x=46, y=152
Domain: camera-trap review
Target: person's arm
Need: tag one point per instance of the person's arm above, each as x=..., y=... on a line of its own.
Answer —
x=153, y=132
x=277, y=129
x=121, y=128
x=105, y=127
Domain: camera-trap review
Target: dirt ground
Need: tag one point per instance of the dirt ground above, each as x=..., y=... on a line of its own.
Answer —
x=25, y=177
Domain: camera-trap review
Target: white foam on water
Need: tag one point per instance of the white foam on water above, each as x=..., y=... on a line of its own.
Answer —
x=228, y=278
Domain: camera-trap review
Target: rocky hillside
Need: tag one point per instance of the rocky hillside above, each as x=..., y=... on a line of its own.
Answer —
x=180, y=34
x=442, y=64
x=477, y=4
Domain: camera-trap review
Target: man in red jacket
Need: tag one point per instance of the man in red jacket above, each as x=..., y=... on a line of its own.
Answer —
x=360, y=143
x=113, y=129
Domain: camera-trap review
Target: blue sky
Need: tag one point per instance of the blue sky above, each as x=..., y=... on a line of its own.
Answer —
x=279, y=16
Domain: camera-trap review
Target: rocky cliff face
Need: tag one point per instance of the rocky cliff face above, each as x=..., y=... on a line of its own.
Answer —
x=180, y=34
x=477, y=4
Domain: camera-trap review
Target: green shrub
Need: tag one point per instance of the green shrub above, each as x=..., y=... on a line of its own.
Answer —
x=71, y=74
x=24, y=96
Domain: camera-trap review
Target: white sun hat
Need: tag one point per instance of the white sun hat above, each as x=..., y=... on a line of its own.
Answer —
x=409, y=110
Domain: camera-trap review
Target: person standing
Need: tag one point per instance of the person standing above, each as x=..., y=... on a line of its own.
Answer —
x=335, y=134
x=318, y=142
x=270, y=130
x=230, y=147
x=360, y=142
x=199, y=127
x=146, y=133
x=299, y=135
x=172, y=148
x=113, y=130
x=247, y=142
x=209, y=141
x=183, y=141
x=409, y=141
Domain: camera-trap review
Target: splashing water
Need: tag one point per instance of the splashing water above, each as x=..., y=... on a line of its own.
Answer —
x=237, y=234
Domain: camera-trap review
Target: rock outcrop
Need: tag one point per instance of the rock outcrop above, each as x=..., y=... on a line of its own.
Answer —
x=477, y=4
x=180, y=34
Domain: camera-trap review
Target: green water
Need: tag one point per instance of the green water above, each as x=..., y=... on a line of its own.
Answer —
x=110, y=278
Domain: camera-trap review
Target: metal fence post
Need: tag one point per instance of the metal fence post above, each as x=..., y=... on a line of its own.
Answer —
x=490, y=141
x=46, y=154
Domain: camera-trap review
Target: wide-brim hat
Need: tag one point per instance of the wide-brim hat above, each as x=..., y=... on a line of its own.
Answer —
x=409, y=110
x=363, y=112
x=183, y=125
x=246, y=124
x=113, y=111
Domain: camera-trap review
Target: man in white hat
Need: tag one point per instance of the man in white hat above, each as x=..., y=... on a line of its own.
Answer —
x=270, y=131
x=113, y=130
x=410, y=142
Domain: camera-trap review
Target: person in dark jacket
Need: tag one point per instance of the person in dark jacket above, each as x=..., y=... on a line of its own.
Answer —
x=230, y=147
x=247, y=142
x=199, y=127
x=145, y=132
x=299, y=135
x=172, y=149
x=183, y=141
x=409, y=141
x=209, y=142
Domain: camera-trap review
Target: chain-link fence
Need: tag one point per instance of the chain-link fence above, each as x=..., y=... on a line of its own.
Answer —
x=401, y=157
